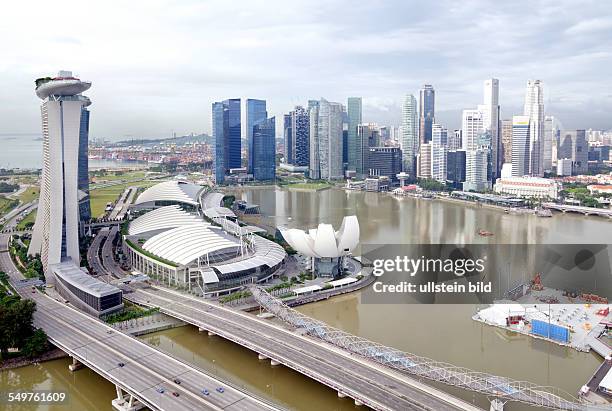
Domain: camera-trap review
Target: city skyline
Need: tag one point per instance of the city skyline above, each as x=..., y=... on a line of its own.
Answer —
x=169, y=82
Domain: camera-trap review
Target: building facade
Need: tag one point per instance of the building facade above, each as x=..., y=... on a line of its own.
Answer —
x=409, y=135
x=573, y=146
x=384, y=161
x=255, y=114
x=534, y=108
x=476, y=170
x=424, y=161
x=506, y=140
x=520, y=146
x=455, y=168
x=529, y=187
x=326, y=141
x=427, y=102
x=226, y=128
x=264, y=150
x=491, y=112
x=56, y=229
x=354, y=149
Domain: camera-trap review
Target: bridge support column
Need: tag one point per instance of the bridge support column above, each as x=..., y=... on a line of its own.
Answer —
x=125, y=402
x=496, y=405
x=200, y=329
x=210, y=333
x=358, y=403
x=341, y=395
x=274, y=362
x=76, y=365
x=262, y=357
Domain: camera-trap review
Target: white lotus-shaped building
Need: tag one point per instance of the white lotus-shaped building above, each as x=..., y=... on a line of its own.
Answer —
x=324, y=242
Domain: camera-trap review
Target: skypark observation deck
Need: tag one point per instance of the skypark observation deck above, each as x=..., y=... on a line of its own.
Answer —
x=178, y=247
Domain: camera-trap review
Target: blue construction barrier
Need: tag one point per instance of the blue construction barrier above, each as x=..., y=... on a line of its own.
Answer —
x=552, y=331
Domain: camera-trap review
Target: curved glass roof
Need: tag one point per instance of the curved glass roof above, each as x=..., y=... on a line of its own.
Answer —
x=178, y=191
x=167, y=217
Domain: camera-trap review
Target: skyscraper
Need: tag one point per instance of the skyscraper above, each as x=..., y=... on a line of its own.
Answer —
x=439, y=149
x=264, y=150
x=424, y=161
x=520, y=145
x=427, y=101
x=288, y=153
x=368, y=135
x=226, y=134
x=409, y=141
x=439, y=135
x=551, y=137
x=326, y=141
x=384, y=161
x=300, y=131
x=573, y=146
x=255, y=113
x=56, y=230
x=491, y=122
x=83, y=185
x=354, y=150
x=314, y=169
x=476, y=170
x=506, y=138
x=472, y=127
x=534, y=108
x=455, y=168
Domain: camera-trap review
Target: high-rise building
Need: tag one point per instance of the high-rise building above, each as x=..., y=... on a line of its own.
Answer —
x=427, y=102
x=83, y=185
x=264, y=150
x=520, y=145
x=455, y=168
x=424, y=161
x=368, y=135
x=454, y=140
x=226, y=134
x=288, y=152
x=476, y=170
x=573, y=146
x=439, y=135
x=326, y=141
x=506, y=138
x=56, y=229
x=491, y=123
x=409, y=141
x=438, y=162
x=354, y=149
x=550, y=140
x=255, y=113
x=384, y=161
x=471, y=128
x=534, y=108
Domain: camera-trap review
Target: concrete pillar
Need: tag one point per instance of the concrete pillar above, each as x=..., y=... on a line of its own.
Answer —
x=274, y=362
x=358, y=403
x=125, y=402
x=210, y=333
x=76, y=365
x=262, y=357
x=200, y=329
x=496, y=405
x=341, y=395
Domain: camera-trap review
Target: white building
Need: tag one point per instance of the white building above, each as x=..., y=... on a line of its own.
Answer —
x=534, y=108
x=472, y=126
x=535, y=187
x=326, y=247
x=476, y=163
x=326, y=141
x=564, y=167
x=438, y=162
x=424, y=161
x=56, y=230
x=491, y=122
x=410, y=137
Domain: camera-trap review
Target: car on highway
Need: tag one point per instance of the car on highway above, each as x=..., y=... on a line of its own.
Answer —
x=176, y=394
x=205, y=392
x=161, y=390
x=177, y=381
x=121, y=364
x=221, y=390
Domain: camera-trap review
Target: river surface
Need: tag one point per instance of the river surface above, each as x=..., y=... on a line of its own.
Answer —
x=442, y=332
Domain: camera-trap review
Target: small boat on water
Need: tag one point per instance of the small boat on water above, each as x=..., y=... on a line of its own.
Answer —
x=484, y=233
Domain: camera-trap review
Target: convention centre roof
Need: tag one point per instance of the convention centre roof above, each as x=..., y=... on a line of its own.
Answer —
x=173, y=191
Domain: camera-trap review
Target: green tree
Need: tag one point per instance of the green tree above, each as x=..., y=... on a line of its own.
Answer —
x=36, y=344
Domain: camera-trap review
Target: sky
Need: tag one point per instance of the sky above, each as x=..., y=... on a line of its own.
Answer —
x=157, y=66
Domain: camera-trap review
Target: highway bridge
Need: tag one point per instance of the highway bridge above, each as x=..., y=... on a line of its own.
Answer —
x=602, y=212
x=143, y=375
x=351, y=376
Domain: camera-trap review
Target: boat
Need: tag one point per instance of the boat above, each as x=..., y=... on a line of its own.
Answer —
x=484, y=233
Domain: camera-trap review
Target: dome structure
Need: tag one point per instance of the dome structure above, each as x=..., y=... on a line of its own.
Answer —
x=324, y=242
x=171, y=192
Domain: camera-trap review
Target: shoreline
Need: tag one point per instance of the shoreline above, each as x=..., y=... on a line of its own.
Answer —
x=19, y=362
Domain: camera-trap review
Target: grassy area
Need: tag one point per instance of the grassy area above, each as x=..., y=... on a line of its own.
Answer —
x=7, y=205
x=309, y=186
x=30, y=194
x=30, y=218
x=130, y=312
x=99, y=197
x=118, y=175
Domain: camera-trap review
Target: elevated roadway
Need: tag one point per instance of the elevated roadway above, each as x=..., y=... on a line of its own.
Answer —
x=351, y=376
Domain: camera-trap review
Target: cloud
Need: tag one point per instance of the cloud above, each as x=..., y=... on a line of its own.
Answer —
x=157, y=66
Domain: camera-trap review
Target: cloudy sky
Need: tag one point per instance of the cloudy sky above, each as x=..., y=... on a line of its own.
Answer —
x=156, y=66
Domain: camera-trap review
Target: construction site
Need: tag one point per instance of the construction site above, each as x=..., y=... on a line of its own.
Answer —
x=565, y=317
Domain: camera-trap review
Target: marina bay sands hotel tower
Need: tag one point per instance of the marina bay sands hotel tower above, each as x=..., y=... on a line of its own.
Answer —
x=65, y=123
